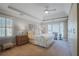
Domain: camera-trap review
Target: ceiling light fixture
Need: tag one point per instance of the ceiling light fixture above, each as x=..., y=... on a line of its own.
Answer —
x=46, y=12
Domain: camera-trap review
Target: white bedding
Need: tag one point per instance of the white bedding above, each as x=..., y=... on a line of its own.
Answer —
x=43, y=40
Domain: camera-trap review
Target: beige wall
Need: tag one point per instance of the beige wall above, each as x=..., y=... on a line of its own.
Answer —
x=72, y=29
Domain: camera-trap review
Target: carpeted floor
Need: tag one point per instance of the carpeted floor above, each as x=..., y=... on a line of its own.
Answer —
x=58, y=48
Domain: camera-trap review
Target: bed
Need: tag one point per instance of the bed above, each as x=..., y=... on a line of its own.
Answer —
x=44, y=40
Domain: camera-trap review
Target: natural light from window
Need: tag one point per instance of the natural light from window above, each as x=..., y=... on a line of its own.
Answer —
x=56, y=28
x=6, y=27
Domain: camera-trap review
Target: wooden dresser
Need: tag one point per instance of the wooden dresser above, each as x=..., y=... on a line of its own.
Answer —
x=20, y=40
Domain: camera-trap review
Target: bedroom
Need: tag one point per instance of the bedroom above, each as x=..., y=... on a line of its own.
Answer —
x=39, y=25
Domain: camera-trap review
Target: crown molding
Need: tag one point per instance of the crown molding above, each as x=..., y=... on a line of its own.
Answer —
x=21, y=12
x=55, y=18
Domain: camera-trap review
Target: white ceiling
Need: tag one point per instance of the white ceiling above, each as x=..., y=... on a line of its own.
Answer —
x=36, y=10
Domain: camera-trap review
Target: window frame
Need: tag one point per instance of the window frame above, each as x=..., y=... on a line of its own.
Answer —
x=6, y=27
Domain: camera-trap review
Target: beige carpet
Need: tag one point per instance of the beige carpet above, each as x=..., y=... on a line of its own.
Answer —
x=59, y=48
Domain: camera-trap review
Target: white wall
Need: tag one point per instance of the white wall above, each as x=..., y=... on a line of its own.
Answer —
x=66, y=30
x=72, y=29
x=22, y=25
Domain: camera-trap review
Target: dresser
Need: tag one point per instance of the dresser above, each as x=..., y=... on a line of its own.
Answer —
x=22, y=39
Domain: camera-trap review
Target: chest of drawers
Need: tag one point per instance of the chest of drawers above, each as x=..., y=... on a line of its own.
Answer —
x=20, y=40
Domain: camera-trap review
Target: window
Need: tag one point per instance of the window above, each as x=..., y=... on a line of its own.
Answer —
x=6, y=27
x=62, y=28
x=49, y=28
x=56, y=28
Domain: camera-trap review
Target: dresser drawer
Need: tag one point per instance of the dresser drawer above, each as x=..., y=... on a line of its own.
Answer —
x=21, y=40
